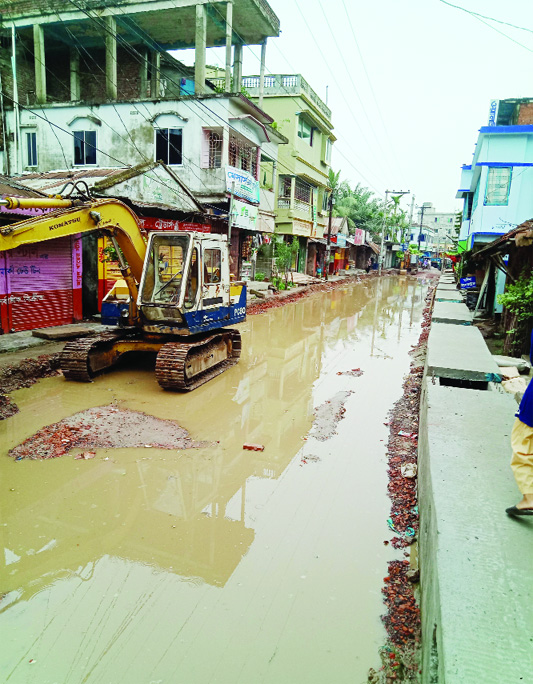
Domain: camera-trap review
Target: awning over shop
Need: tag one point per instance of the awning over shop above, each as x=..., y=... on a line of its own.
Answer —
x=373, y=247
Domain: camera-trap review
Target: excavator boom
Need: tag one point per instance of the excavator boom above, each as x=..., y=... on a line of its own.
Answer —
x=71, y=218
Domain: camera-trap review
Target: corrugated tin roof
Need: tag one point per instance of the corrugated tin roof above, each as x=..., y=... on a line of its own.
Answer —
x=12, y=187
x=501, y=243
x=53, y=181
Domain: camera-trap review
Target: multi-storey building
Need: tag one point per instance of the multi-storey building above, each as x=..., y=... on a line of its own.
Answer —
x=496, y=186
x=433, y=231
x=299, y=180
x=91, y=94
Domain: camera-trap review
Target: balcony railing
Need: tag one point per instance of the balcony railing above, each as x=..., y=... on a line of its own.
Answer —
x=297, y=205
x=281, y=84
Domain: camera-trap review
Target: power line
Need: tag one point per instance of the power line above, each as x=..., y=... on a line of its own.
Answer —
x=215, y=8
x=349, y=76
x=481, y=18
x=484, y=16
x=369, y=81
x=136, y=54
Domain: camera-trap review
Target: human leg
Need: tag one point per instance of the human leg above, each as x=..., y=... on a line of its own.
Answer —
x=522, y=463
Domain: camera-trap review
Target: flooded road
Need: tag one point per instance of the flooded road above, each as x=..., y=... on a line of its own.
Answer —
x=215, y=564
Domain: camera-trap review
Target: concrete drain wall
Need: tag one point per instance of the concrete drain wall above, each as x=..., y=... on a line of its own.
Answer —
x=475, y=561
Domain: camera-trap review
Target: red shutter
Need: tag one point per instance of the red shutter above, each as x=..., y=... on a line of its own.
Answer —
x=39, y=285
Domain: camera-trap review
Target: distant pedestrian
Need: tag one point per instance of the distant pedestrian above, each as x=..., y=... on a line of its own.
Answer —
x=522, y=446
x=368, y=265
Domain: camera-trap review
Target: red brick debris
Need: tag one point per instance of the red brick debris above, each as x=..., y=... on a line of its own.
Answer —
x=325, y=286
x=253, y=447
x=103, y=427
x=402, y=620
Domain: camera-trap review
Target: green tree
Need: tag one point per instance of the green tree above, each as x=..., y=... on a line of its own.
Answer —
x=284, y=253
x=361, y=207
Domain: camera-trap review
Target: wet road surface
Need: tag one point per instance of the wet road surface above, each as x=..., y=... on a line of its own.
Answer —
x=215, y=564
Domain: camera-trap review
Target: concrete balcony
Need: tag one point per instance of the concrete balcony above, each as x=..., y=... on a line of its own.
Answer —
x=282, y=84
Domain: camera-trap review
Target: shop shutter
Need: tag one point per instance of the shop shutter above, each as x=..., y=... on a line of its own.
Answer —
x=39, y=285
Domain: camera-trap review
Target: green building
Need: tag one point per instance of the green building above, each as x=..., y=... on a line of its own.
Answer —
x=299, y=177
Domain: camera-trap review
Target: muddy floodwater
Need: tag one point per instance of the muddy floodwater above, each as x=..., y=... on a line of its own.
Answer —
x=214, y=564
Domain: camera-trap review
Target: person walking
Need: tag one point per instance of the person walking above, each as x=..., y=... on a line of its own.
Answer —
x=522, y=446
x=368, y=265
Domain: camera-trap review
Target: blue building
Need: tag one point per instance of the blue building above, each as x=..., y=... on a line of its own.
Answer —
x=497, y=187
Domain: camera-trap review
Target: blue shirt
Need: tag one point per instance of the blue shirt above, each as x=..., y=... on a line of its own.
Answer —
x=525, y=410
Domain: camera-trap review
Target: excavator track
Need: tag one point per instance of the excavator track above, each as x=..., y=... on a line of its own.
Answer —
x=186, y=366
x=75, y=357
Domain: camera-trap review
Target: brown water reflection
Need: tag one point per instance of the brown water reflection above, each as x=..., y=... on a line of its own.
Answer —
x=214, y=564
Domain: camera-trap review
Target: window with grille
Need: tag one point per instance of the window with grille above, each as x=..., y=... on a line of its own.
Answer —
x=302, y=191
x=214, y=141
x=243, y=155
x=84, y=147
x=168, y=145
x=498, y=185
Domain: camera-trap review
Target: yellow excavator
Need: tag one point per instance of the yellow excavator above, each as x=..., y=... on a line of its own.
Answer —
x=179, y=299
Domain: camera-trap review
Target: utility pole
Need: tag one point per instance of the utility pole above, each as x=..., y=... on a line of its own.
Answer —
x=422, y=210
x=326, y=265
x=411, y=214
x=387, y=193
x=230, y=215
x=380, y=258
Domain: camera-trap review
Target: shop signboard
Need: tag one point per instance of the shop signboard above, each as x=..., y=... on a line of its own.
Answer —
x=468, y=283
x=243, y=184
x=150, y=223
x=359, y=237
x=244, y=215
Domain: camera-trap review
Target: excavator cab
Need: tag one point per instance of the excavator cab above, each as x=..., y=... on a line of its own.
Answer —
x=185, y=287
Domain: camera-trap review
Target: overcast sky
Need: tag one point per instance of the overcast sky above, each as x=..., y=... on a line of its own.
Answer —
x=408, y=87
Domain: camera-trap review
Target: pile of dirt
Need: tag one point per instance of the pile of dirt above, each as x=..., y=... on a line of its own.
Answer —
x=24, y=374
x=104, y=427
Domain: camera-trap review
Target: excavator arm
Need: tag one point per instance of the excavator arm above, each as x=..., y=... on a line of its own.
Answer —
x=110, y=216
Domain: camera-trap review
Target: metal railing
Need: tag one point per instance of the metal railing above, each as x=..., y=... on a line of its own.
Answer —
x=281, y=84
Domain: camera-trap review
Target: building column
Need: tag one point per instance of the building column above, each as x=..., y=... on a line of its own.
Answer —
x=40, y=63
x=229, y=36
x=225, y=147
x=262, y=73
x=155, y=74
x=199, y=50
x=237, y=68
x=75, y=88
x=111, y=58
